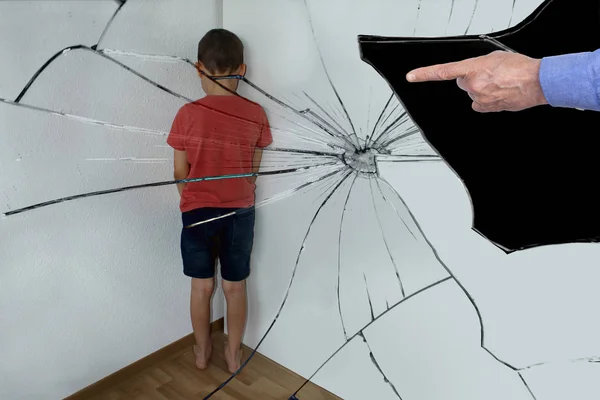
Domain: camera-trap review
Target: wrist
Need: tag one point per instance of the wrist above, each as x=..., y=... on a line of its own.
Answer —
x=537, y=92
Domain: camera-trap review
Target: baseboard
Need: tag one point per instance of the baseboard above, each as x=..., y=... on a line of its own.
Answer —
x=138, y=366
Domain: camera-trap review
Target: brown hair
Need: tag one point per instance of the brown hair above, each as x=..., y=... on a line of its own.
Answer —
x=220, y=51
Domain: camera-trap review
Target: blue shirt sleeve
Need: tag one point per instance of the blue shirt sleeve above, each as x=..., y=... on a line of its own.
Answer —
x=572, y=80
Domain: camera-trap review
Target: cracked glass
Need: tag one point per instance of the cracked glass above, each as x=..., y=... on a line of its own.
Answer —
x=356, y=286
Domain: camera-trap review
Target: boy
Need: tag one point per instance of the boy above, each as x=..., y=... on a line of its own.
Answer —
x=220, y=134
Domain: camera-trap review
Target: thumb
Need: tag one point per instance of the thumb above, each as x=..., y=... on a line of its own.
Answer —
x=439, y=72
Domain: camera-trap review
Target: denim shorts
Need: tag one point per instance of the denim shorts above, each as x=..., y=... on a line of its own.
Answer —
x=230, y=239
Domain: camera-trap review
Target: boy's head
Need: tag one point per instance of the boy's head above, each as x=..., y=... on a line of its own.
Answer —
x=220, y=53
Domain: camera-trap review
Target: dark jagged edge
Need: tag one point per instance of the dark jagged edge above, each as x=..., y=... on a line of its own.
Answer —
x=529, y=19
x=464, y=38
x=508, y=31
x=504, y=249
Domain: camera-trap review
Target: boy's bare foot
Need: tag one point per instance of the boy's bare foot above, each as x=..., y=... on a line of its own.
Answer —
x=234, y=361
x=203, y=356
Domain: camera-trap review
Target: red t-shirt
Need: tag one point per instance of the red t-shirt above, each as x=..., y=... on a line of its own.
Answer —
x=220, y=142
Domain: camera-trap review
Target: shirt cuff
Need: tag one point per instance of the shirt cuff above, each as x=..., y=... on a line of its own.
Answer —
x=566, y=81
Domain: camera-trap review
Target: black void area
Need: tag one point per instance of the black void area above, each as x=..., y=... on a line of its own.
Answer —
x=532, y=175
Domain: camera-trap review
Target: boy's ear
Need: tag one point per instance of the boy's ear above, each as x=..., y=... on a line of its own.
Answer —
x=200, y=68
x=242, y=70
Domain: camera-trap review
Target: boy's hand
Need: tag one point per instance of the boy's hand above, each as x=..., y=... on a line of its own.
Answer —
x=256, y=159
x=499, y=81
x=181, y=168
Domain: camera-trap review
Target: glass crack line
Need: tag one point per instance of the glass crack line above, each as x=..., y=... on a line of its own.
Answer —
x=128, y=159
x=301, y=113
x=127, y=68
x=434, y=156
x=527, y=386
x=387, y=117
x=163, y=88
x=275, y=198
x=387, y=247
x=322, y=109
x=222, y=385
x=147, y=131
x=87, y=120
x=402, y=118
x=339, y=257
x=242, y=78
x=121, y=4
x=369, y=324
x=593, y=359
x=417, y=18
x=472, y=16
x=449, y=271
x=450, y=15
x=155, y=184
x=395, y=210
x=376, y=364
x=512, y=13
x=329, y=77
x=368, y=115
x=368, y=141
x=407, y=133
x=369, y=298
x=410, y=160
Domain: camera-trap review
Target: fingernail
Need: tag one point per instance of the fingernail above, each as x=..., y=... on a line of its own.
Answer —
x=410, y=77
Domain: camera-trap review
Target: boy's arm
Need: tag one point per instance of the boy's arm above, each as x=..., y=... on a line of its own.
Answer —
x=181, y=168
x=256, y=159
x=264, y=140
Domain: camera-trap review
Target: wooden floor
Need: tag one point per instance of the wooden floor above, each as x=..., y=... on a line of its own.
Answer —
x=177, y=378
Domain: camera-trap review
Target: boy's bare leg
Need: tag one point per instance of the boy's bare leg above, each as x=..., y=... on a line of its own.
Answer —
x=235, y=294
x=202, y=290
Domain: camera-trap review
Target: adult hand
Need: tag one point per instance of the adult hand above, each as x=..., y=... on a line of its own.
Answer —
x=499, y=81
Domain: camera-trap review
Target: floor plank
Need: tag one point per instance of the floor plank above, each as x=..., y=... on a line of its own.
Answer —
x=176, y=378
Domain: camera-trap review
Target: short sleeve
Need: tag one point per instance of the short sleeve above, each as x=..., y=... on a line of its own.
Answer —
x=176, y=138
x=265, y=137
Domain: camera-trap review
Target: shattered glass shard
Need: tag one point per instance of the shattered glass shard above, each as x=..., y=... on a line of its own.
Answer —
x=363, y=161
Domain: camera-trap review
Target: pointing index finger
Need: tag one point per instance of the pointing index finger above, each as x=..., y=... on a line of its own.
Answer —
x=439, y=72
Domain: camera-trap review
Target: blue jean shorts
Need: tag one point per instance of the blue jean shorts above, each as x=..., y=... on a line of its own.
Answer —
x=229, y=238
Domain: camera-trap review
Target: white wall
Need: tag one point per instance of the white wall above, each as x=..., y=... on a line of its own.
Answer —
x=89, y=286
x=536, y=306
